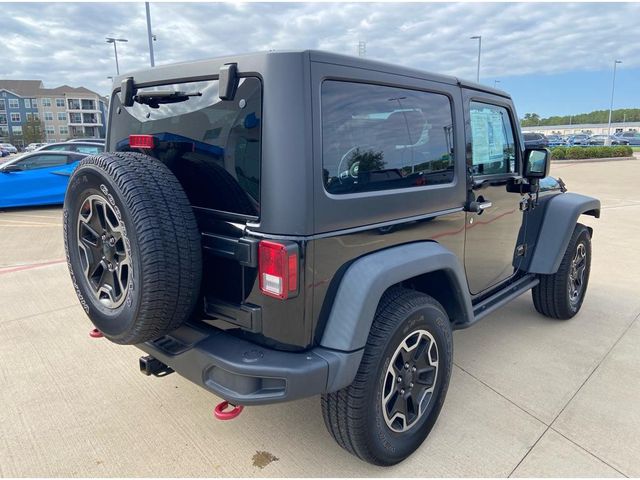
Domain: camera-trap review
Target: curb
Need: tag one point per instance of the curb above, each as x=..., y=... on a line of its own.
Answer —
x=593, y=160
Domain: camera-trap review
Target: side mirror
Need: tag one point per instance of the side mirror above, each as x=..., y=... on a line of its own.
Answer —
x=127, y=92
x=536, y=163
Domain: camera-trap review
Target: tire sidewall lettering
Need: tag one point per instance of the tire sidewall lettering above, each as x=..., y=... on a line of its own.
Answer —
x=74, y=282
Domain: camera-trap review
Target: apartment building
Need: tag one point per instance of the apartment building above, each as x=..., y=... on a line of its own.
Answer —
x=65, y=112
x=14, y=113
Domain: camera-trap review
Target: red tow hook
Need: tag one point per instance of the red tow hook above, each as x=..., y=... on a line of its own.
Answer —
x=95, y=333
x=220, y=413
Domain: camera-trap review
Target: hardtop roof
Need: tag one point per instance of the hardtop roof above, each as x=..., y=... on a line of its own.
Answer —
x=314, y=56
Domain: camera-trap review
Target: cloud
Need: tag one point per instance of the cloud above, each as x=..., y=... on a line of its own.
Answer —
x=64, y=42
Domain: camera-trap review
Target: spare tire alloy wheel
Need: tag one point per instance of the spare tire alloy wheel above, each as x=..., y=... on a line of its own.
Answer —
x=132, y=245
x=104, y=251
x=410, y=381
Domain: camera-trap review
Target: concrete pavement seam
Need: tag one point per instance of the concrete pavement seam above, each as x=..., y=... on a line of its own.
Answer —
x=501, y=395
x=26, y=317
x=636, y=204
x=576, y=393
x=587, y=451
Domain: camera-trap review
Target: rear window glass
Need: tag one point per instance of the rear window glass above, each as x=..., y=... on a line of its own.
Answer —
x=379, y=138
x=211, y=145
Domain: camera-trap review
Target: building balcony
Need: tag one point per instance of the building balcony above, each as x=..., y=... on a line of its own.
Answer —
x=86, y=124
x=84, y=110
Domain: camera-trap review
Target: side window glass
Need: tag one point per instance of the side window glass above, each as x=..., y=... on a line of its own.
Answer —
x=91, y=150
x=42, y=161
x=380, y=138
x=492, y=144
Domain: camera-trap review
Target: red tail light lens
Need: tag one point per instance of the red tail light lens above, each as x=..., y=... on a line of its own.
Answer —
x=142, y=141
x=278, y=269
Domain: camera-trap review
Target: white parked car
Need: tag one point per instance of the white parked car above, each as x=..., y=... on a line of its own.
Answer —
x=9, y=147
x=33, y=146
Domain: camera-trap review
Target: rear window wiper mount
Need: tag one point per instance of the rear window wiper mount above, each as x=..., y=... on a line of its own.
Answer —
x=155, y=98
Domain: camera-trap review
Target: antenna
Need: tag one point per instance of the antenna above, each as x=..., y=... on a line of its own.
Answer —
x=362, y=48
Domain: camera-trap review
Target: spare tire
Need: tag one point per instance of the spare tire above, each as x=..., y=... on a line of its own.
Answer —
x=132, y=246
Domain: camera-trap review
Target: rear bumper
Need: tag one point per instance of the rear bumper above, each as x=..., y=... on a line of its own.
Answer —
x=245, y=373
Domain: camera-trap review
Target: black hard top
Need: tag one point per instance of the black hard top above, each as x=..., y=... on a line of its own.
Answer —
x=192, y=68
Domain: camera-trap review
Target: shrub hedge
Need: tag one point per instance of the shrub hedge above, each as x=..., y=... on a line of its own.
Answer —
x=561, y=153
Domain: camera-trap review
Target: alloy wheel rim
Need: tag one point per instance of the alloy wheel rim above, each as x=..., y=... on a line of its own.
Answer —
x=410, y=381
x=103, y=252
x=576, y=274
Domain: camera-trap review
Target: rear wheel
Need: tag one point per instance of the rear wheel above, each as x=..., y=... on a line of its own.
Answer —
x=561, y=294
x=398, y=392
x=132, y=246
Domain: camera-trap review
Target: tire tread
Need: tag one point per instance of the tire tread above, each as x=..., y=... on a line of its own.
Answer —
x=345, y=411
x=550, y=296
x=168, y=241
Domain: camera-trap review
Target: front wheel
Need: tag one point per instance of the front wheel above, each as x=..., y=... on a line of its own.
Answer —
x=398, y=392
x=561, y=294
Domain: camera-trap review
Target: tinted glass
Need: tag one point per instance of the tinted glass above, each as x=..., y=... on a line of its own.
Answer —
x=211, y=145
x=492, y=145
x=58, y=148
x=41, y=161
x=379, y=138
x=90, y=149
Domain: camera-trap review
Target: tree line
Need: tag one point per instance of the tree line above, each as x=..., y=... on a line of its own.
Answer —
x=597, y=116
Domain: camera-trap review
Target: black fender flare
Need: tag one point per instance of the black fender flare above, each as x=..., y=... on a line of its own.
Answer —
x=366, y=280
x=559, y=218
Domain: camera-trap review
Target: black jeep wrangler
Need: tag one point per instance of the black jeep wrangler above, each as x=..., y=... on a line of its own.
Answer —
x=280, y=225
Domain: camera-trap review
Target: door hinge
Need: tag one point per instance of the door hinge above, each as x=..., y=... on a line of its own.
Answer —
x=521, y=250
x=524, y=204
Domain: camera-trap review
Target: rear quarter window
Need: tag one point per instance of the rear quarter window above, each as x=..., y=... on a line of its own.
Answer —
x=377, y=137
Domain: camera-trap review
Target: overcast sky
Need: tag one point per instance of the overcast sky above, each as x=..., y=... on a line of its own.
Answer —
x=553, y=58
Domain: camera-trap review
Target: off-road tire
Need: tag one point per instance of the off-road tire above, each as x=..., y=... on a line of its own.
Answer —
x=551, y=297
x=163, y=243
x=354, y=414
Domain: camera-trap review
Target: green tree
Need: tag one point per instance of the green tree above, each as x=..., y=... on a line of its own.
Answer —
x=368, y=161
x=597, y=116
x=32, y=131
x=15, y=139
x=530, y=119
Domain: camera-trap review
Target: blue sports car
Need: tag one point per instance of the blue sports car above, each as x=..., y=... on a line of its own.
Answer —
x=38, y=178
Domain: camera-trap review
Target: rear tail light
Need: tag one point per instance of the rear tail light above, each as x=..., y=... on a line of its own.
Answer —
x=278, y=269
x=142, y=141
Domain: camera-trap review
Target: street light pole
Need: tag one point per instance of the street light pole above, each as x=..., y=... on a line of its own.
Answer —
x=613, y=87
x=495, y=83
x=479, y=38
x=153, y=63
x=115, y=49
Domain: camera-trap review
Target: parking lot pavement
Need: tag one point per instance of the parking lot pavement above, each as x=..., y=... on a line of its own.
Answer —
x=529, y=396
